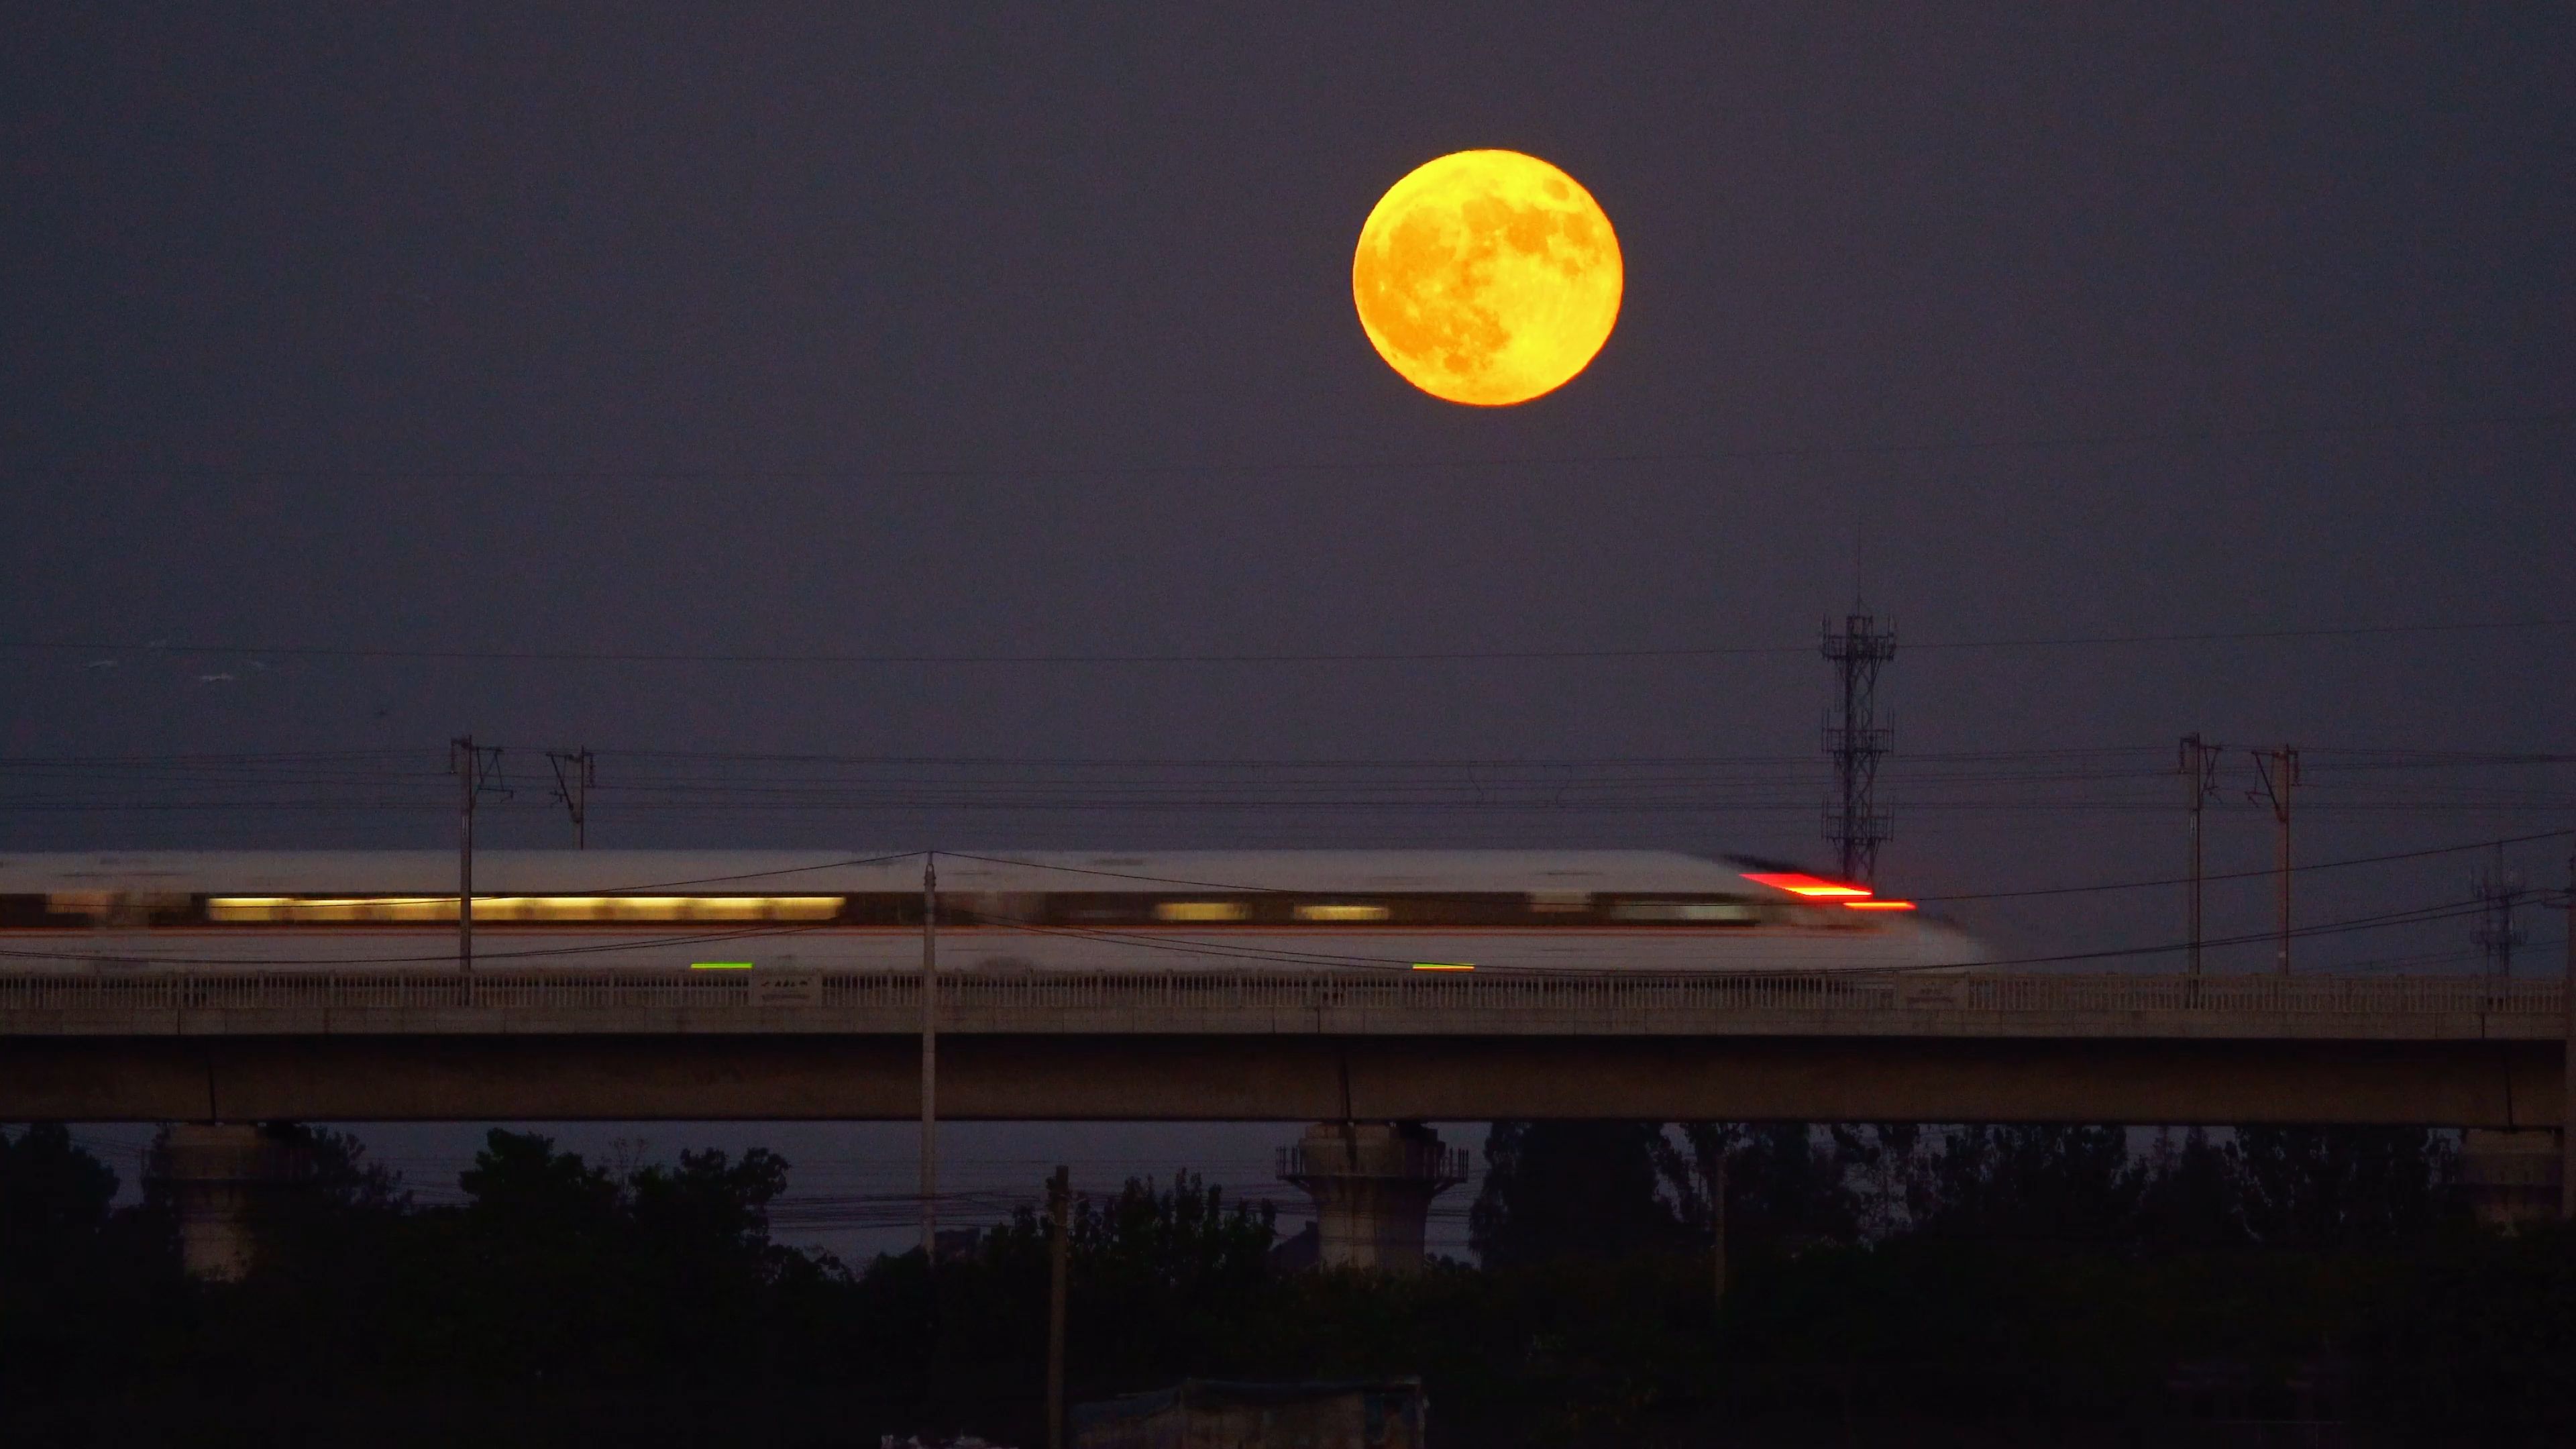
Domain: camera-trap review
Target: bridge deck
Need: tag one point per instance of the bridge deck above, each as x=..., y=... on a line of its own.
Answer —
x=417, y=1003
x=1242, y=1047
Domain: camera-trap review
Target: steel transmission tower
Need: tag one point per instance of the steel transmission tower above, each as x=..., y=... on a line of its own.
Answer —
x=1854, y=740
x=2498, y=891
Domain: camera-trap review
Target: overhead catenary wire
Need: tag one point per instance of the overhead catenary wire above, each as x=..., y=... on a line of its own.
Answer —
x=1115, y=874
x=426, y=654
x=662, y=776
x=1219, y=803
x=1965, y=782
x=1918, y=447
x=1231, y=951
x=2260, y=874
x=2447, y=910
x=1396, y=798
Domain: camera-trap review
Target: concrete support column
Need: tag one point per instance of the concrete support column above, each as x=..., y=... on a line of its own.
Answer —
x=220, y=1176
x=2511, y=1177
x=1372, y=1183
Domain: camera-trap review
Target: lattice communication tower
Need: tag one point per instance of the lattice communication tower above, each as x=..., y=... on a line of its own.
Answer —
x=2498, y=891
x=1855, y=741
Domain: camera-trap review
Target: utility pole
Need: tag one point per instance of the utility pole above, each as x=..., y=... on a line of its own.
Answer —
x=2280, y=772
x=575, y=773
x=1059, y=1274
x=471, y=762
x=2200, y=767
x=1854, y=741
x=930, y=1060
x=2498, y=890
x=1714, y=1170
x=2567, y=1064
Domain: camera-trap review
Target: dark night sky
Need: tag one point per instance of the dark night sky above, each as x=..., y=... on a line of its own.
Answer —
x=676, y=328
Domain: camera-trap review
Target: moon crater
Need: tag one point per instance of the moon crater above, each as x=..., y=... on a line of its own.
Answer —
x=1487, y=277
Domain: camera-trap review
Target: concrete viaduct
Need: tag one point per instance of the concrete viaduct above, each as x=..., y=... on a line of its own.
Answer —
x=216, y=1052
x=2456, y=1052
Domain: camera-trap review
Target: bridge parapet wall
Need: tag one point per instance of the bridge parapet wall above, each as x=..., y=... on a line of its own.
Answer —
x=165, y=1003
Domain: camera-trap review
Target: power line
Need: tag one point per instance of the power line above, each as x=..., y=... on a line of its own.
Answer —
x=2418, y=915
x=1216, y=806
x=2414, y=916
x=1117, y=874
x=1922, y=447
x=2128, y=885
x=2146, y=760
x=1245, y=658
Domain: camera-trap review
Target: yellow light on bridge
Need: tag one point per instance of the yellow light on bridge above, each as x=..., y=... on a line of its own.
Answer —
x=1201, y=911
x=1444, y=965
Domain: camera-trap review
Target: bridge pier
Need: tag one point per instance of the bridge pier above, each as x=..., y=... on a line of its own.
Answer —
x=1372, y=1183
x=222, y=1176
x=2511, y=1176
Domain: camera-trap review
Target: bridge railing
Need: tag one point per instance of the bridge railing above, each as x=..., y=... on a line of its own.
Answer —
x=2298, y=995
x=1605, y=993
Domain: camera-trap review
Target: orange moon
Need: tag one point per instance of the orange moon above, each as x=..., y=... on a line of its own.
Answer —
x=1487, y=278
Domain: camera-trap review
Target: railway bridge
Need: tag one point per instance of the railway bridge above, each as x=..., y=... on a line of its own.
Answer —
x=1245, y=1046
x=244, y=1047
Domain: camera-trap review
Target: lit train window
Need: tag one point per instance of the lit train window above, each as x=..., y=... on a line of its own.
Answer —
x=1196, y=911
x=1342, y=913
x=1684, y=912
x=320, y=910
x=116, y=908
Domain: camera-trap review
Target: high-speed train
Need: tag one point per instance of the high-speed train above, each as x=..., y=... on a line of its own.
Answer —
x=1051, y=911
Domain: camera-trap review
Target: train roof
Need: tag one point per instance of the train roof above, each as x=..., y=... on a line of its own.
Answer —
x=798, y=872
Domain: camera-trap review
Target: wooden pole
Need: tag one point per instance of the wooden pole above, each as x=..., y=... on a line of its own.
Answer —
x=469, y=765
x=2280, y=771
x=1059, y=1261
x=2199, y=763
x=1716, y=1173
x=929, y=1060
x=2284, y=876
x=2567, y=1065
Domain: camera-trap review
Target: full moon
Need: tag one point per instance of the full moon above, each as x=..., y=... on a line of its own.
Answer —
x=1487, y=277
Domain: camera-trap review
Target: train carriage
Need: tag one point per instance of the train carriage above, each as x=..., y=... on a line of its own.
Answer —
x=1074, y=911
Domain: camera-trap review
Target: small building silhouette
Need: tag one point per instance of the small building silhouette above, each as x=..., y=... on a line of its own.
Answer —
x=1225, y=1414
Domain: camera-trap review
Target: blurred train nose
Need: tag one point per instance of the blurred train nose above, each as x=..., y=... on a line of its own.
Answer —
x=1946, y=945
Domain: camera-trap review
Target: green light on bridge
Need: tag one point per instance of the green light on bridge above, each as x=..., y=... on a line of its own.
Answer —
x=719, y=965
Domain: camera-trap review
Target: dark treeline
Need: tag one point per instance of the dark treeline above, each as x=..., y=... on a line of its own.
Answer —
x=1938, y=1282
x=1555, y=1189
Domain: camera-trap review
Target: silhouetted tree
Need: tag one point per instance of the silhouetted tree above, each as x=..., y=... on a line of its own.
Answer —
x=81, y=1281
x=2036, y=1183
x=2190, y=1195
x=1573, y=1190
x=2345, y=1187
x=54, y=1201
x=520, y=1184
x=655, y=1299
x=1786, y=1182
